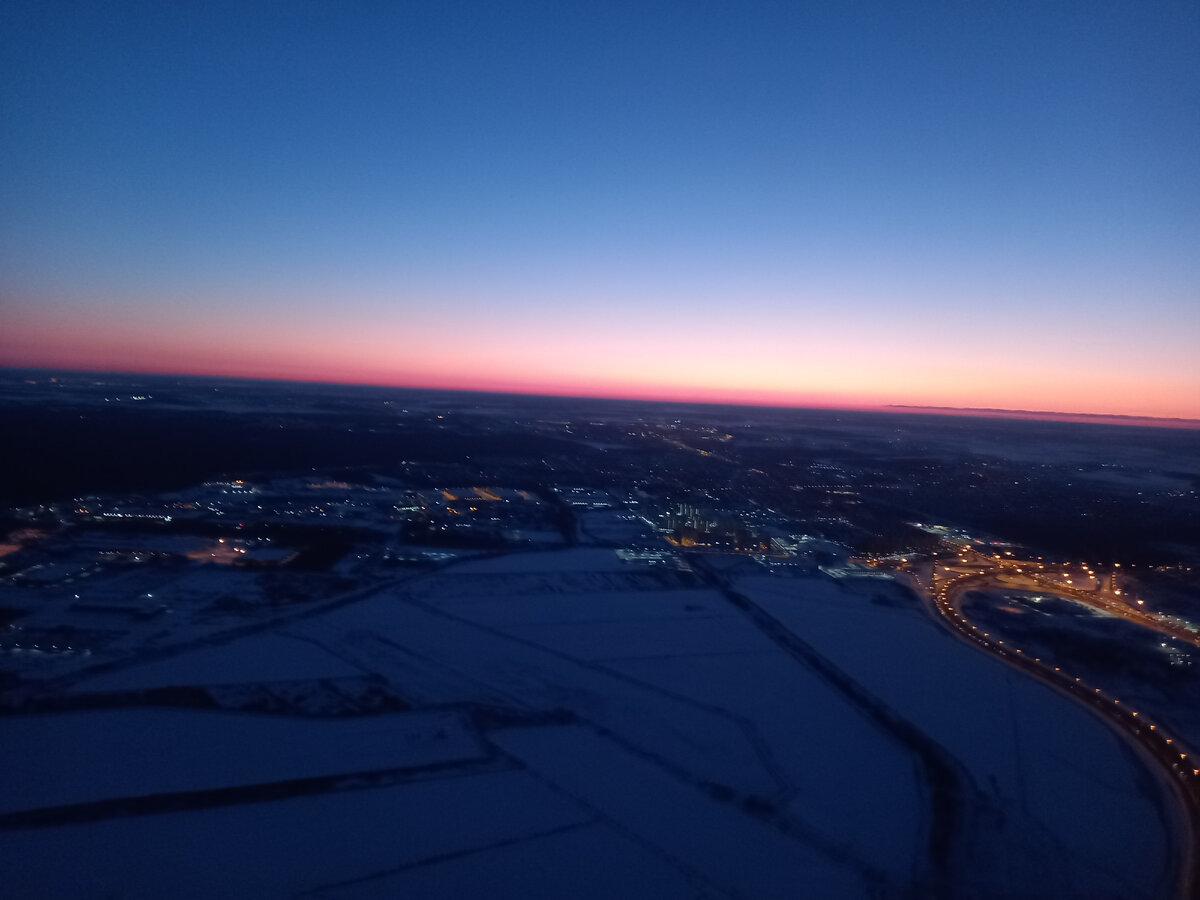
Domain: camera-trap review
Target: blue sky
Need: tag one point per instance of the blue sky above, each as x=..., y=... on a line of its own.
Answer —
x=1009, y=192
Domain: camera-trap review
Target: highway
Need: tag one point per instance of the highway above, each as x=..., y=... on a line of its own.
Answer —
x=943, y=597
x=1096, y=591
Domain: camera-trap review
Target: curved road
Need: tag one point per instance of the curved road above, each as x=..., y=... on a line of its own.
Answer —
x=943, y=601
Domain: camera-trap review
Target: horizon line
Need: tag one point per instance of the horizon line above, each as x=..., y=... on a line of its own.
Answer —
x=1175, y=422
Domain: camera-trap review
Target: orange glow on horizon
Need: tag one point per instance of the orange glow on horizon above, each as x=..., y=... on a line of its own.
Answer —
x=696, y=367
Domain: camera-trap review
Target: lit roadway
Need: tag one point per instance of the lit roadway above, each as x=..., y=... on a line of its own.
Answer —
x=943, y=598
x=1061, y=579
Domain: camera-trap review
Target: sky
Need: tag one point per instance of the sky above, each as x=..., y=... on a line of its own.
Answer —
x=975, y=204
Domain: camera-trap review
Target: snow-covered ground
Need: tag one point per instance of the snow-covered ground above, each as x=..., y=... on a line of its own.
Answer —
x=84, y=757
x=1079, y=810
x=584, y=727
x=737, y=854
x=304, y=846
x=255, y=658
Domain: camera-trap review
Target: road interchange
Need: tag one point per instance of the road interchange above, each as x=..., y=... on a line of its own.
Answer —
x=942, y=591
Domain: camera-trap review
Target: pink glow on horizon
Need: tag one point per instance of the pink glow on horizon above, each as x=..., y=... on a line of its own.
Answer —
x=750, y=364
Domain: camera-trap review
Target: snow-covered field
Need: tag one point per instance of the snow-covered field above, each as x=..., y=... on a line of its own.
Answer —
x=83, y=757
x=583, y=727
x=261, y=657
x=1078, y=807
x=316, y=846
